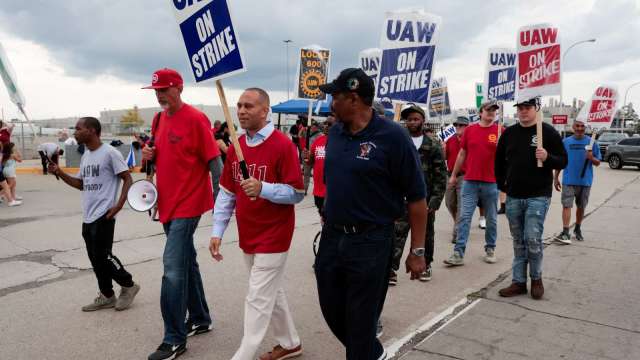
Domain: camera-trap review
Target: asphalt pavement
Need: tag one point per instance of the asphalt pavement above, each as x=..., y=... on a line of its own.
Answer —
x=589, y=306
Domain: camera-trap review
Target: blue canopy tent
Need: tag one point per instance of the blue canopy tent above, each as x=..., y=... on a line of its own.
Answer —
x=300, y=106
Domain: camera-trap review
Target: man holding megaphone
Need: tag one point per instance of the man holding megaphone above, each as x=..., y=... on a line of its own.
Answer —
x=184, y=153
x=101, y=169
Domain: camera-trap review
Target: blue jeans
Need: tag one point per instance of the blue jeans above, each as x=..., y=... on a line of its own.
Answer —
x=526, y=222
x=352, y=273
x=181, y=283
x=487, y=193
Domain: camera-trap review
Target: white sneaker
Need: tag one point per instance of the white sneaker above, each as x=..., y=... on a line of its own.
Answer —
x=482, y=223
x=490, y=256
x=18, y=197
x=15, y=203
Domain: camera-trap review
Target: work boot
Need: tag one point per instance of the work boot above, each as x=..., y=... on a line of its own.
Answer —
x=537, y=289
x=100, y=302
x=514, y=289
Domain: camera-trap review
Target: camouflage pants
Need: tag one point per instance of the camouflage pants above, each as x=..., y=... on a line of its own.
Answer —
x=401, y=232
x=452, y=201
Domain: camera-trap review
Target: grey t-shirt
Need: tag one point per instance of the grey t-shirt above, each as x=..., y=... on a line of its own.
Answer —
x=99, y=171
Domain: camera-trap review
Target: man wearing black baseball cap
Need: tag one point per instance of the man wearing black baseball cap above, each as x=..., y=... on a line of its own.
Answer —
x=528, y=189
x=371, y=166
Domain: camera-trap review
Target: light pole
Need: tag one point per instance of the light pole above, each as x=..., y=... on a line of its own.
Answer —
x=286, y=44
x=563, y=56
x=624, y=117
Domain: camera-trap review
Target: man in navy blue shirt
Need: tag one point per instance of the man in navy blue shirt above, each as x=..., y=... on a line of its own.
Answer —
x=371, y=166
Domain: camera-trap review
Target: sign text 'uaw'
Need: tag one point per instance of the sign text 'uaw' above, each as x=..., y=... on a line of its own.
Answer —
x=313, y=71
x=500, y=78
x=209, y=37
x=599, y=111
x=538, y=61
x=369, y=62
x=408, y=45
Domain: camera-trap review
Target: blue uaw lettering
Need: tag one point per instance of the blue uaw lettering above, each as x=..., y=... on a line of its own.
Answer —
x=369, y=64
x=404, y=82
x=497, y=59
x=216, y=47
x=181, y=4
x=397, y=30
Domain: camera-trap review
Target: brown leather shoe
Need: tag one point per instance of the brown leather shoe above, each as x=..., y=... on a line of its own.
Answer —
x=537, y=289
x=280, y=353
x=513, y=290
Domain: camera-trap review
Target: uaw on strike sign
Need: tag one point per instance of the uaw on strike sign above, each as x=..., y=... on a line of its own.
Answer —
x=500, y=78
x=408, y=45
x=313, y=70
x=600, y=110
x=210, y=39
x=538, y=61
x=369, y=62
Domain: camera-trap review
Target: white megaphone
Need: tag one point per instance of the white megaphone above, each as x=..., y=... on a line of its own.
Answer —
x=142, y=195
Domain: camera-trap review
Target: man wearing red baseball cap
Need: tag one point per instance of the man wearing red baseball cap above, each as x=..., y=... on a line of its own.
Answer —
x=184, y=153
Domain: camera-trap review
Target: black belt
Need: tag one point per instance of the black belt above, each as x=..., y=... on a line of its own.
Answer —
x=354, y=228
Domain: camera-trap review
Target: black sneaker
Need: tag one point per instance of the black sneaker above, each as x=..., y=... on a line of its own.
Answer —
x=578, y=235
x=167, y=351
x=393, y=278
x=193, y=329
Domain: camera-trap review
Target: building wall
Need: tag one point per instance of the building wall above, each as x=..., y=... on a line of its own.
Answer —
x=110, y=119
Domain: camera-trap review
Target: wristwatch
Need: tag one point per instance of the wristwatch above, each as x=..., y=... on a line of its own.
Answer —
x=418, y=251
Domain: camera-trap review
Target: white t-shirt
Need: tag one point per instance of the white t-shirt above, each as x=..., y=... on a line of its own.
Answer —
x=99, y=171
x=49, y=149
x=417, y=141
x=71, y=141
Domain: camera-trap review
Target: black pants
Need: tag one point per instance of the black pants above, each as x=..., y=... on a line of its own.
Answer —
x=319, y=202
x=45, y=161
x=352, y=276
x=400, y=238
x=98, y=236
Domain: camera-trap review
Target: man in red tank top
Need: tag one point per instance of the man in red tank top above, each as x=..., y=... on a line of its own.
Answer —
x=265, y=215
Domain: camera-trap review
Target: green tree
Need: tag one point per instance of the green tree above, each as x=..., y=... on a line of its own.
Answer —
x=131, y=121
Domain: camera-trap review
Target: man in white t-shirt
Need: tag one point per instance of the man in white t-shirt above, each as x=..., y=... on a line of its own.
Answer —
x=101, y=169
x=49, y=152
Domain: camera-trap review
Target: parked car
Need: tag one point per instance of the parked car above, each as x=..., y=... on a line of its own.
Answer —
x=624, y=152
x=609, y=138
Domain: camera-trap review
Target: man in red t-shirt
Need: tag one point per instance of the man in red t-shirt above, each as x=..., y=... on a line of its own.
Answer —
x=477, y=154
x=315, y=158
x=265, y=214
x=184, y=153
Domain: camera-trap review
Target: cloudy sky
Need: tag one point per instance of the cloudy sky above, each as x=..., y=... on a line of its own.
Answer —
x=78, y=57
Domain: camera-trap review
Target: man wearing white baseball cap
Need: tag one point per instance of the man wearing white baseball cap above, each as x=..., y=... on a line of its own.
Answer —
x=577, y=178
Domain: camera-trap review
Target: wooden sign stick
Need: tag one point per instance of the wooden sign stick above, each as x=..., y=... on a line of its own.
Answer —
x=396, y=112
x=232, y=130
x=539, y=133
